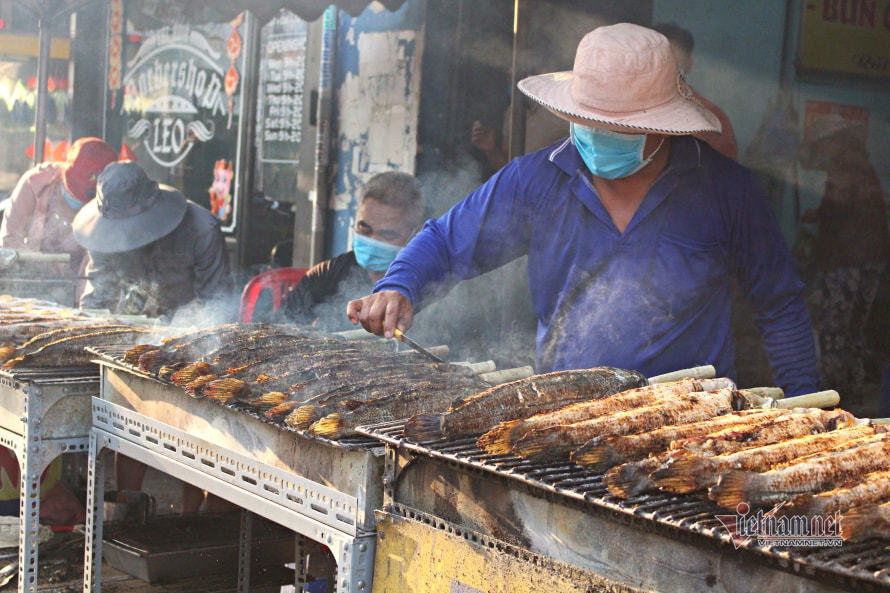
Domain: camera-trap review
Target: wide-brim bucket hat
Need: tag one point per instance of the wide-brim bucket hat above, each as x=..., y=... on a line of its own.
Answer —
x=129, y=211
x=624, y=76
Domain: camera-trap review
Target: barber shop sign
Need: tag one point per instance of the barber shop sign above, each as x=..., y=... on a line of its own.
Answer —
x=181, y=96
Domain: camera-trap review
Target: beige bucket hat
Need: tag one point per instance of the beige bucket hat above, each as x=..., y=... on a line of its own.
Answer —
x=624, y=76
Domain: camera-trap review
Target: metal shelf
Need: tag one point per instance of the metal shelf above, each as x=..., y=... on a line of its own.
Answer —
x=309, y=508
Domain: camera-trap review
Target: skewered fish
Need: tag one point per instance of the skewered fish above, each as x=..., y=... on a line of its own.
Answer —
x=479, y=412
x=599, y=454
x=503, y=437
x=694, y=472
x=635, y=477
x=865, y=522
x=559, y=441
x=791, y=425
x=809, y=474
x=870, y=489
x=70, y=351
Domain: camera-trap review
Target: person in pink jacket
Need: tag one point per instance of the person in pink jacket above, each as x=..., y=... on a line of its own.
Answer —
x=46, y=198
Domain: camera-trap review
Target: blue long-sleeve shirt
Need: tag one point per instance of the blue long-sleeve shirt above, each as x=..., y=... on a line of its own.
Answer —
x=654, y=298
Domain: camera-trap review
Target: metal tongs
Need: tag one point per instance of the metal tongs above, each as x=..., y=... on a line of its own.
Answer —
x=401, y=337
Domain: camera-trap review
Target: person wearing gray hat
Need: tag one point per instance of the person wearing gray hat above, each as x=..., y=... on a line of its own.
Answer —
x=634, y=229
x=151, y=250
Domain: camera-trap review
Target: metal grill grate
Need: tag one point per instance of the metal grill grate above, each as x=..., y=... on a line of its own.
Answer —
x=863, y=565
x=114, y=356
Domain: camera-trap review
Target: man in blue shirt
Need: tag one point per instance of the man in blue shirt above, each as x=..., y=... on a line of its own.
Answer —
x=633, y=228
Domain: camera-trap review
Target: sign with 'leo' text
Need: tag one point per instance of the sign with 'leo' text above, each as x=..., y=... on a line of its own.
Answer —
x=181, y=110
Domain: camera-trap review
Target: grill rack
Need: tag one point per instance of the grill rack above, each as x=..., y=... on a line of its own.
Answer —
x=864, y=565
x=114, y=356
x=44, y=412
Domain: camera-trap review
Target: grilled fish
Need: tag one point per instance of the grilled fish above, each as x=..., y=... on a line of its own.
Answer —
x=791, y=425
x=558, y=442
x=599, y=454
x=421, y=398
x=68, y=352
x=809, y=474
x=503, y=437
x=520, y=399
x=694, y=472
x=872, y=488
x=865, y=522
x=635, y=477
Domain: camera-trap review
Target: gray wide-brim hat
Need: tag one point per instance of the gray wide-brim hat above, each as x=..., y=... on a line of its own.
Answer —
x=129, y=211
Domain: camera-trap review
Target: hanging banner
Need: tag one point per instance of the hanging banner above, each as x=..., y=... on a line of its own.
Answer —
x=850, y=36
x=182, y=110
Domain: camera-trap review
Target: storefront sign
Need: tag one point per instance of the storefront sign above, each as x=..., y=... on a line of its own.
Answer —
x=181, y=108
x=851, y=36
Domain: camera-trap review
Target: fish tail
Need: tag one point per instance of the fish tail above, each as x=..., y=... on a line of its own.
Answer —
x=627, y=480
x=168, y=369
x=6, y=352
x=497, y=440
x=734, y=487
x=596, y=456
x=12, y=362
x=272, y=398
x=538, y=445
x=862, y=523
x=132, y=355
x=196, y=387
x=152, y=360
x=331, y=426
x=303, y=417
x=425, y=427
x=225, y=389
x=190, y=372
x=275, y=412
x=682, y=475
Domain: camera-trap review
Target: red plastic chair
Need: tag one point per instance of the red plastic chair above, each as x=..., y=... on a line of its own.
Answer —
x=276, y=281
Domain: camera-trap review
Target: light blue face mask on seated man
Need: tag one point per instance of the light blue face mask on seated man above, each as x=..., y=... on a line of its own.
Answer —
x=372, y=254
x=608, y=154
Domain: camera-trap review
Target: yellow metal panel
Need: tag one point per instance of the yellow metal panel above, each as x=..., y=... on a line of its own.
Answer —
x=27, y=45
x=414, y=556
x=846, y=36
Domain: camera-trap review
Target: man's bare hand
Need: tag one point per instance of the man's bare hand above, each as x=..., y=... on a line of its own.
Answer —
x=382, y=312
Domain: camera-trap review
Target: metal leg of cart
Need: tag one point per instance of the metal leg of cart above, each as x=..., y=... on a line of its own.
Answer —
x=34, y=455
x=303, y=506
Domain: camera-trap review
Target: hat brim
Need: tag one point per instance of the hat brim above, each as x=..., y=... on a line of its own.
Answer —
x=677, y=117
x=105, y=235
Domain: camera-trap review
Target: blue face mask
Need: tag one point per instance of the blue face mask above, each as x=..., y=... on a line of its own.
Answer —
x=373, y=255
x=71, y=200
x=610, y=155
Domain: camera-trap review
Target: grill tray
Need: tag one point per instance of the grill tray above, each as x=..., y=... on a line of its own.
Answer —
x=863, y=565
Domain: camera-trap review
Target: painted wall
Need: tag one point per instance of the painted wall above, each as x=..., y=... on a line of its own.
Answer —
x=377, y=99
x=738, y=48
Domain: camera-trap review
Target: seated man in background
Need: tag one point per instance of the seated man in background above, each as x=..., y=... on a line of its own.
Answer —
x=151, y=250
x=390, y=211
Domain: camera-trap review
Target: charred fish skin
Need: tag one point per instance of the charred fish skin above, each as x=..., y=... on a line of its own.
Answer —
x=872, y=488
x=865, y=522
x=481, y=411
x=560, y=441
x=809, y=474
x=793, y=424
x=694, y=472
x=70, y=351
x=600, y=453
x=503, y=437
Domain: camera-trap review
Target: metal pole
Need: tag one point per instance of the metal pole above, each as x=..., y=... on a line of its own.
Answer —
x=43, y=57
x=519, y=65
x=323, y=136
